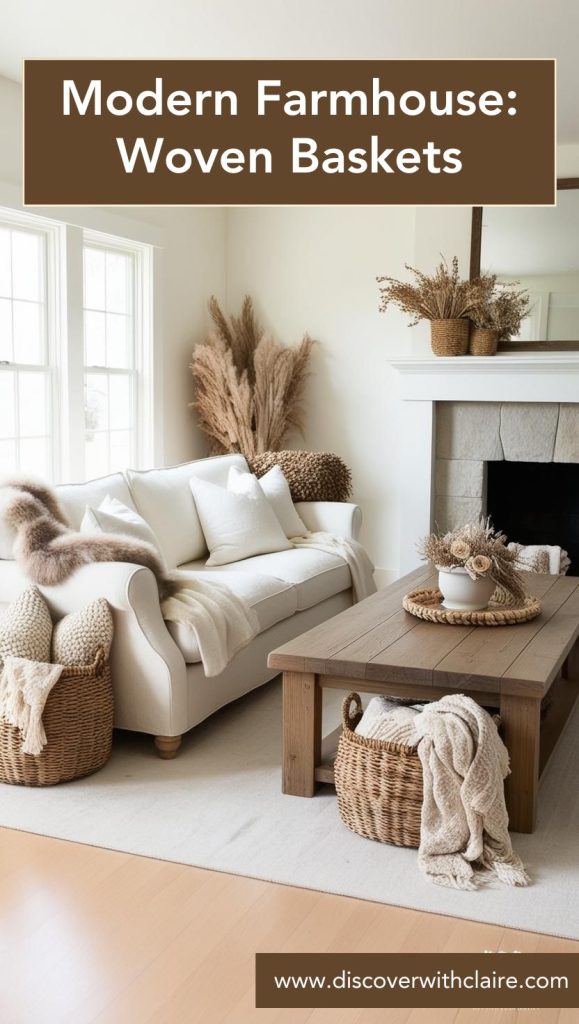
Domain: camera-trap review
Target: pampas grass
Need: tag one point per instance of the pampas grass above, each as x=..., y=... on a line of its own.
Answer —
x=248, y=387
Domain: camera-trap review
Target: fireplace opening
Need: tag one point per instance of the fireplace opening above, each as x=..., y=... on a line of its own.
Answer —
x=536, y=503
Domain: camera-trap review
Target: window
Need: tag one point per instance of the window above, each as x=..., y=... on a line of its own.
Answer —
x=109, y=357
x=25, y=372
x=75, y=321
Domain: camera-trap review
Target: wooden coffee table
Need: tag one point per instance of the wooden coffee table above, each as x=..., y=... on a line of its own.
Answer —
x=529, y=671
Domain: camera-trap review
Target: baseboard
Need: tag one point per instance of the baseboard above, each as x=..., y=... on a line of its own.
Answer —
x=384, y=577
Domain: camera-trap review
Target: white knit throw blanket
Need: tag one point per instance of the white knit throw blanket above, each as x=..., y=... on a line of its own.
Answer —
x=224, y=623
x=360, y=566
x=464, y=826
x=24, y=689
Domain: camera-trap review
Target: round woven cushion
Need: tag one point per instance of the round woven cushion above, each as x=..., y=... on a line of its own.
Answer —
x=26, y=628
x=312, y=476
x=79, y=635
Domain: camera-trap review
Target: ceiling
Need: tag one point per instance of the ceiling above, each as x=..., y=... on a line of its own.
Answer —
x=300, y=28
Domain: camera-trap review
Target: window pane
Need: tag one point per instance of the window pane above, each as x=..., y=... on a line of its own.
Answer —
x=96, y=402
x=32, y=392
x=94, y=278
x=96, y=455
x=94, y=339
x=120, y=404
x=120, y=449
x=8, y=457
x=7, y=406
x=6, y=352
x=118, y=346
x=5, y=274
x=28, y=332
x=34, y=456
x=27, y=266
x=118, y=280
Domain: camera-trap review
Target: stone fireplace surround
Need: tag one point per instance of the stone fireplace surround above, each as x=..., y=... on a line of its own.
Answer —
x=457, y=414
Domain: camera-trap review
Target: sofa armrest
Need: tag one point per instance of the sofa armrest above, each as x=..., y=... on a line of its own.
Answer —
x=340, y=518
x=148, y=670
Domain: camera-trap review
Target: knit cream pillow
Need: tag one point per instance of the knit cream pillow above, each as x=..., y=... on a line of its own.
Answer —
x=26, y=628
x=77, y=637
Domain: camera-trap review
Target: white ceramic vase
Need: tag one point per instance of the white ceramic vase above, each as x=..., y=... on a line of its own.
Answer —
x=461, y=593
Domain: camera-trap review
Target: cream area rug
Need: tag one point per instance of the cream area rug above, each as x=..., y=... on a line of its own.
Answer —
x=219, y=806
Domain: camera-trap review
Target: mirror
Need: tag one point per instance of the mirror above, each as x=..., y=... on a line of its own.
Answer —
x=539, y=247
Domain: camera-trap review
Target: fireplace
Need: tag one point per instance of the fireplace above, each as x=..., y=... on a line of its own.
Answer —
x=536, y=503
x=467, y=420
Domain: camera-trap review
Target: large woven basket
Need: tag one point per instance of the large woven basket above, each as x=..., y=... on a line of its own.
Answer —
x=449, y=337
x=78, y=721
x=378, y=784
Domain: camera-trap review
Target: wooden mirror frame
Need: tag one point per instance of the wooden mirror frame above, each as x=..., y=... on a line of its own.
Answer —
x=475, y=258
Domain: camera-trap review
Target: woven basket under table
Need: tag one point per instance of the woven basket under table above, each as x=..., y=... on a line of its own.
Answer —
x=78, y=721
x=378, y=784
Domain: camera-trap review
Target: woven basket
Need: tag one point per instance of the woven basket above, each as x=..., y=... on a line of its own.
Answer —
x=378, y=784
x=483, y=341
x=449, y=337
x=78, y=721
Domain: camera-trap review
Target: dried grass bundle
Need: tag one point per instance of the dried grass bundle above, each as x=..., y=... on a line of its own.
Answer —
x=443, y=295
x=482, y=551
x=502, y=310
x=248, y=387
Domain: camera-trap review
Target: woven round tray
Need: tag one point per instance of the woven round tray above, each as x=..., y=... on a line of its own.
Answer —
x=427, y=604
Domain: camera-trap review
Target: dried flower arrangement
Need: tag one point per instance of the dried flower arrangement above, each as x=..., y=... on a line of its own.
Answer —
x=248, y=387
x=501, y=308
x=443, y=295
x=482, y=552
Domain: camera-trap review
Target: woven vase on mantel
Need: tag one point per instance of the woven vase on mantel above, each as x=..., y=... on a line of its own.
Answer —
x=449, y=337
x=483, y=341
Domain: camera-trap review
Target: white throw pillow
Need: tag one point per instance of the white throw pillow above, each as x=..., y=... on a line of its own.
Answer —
x=238, y=521
x=113, y=517
x=276, y=489
x=7, y=533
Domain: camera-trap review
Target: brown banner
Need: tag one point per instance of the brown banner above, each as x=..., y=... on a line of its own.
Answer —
x=481, y=980
x=264, y=132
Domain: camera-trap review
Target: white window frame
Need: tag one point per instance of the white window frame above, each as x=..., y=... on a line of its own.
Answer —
x=65, y=339
x=51, y=231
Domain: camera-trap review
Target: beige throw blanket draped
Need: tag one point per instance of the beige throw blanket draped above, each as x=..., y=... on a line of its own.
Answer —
x=24, y=689
x=222, y=622
x=360, y=566
x=464, y=825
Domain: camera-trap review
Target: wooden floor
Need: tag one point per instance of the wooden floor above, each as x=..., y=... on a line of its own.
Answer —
x=90, y=935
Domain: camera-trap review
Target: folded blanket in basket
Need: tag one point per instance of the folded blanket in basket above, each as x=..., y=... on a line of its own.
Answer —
x=24, y=689
x=549, y=559
x=389, y=719
x=464, y=822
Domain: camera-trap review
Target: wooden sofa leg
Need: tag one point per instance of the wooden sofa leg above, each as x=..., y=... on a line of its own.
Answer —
x=167, y=746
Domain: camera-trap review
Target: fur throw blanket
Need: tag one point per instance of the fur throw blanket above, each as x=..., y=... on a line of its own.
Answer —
x=49, y=550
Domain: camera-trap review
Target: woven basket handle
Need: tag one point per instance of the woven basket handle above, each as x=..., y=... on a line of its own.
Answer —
x=349, y=720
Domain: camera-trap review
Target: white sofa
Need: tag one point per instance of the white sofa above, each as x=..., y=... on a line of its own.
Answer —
x=159, y=683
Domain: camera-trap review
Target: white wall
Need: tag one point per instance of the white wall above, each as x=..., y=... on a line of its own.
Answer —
x=191, y=244
x=315, y=269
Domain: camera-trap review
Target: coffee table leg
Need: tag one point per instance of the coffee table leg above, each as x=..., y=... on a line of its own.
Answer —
x=302, y=732
x=521, y=727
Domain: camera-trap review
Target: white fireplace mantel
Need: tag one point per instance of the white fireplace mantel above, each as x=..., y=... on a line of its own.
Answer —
x=545, y=377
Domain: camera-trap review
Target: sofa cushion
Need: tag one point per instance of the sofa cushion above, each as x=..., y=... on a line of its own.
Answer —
x=238, y=520
x=113, y=517
x=276, y=489
x=271, y=599
x=75, y=497
x=315, y=574
x=164, y=499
